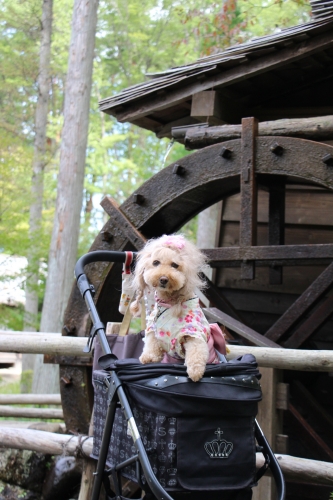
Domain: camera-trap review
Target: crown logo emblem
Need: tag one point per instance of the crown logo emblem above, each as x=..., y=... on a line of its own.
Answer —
x=219, y=448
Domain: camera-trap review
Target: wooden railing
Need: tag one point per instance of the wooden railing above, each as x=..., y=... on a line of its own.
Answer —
x=296, y=469
x=284, y=359
x=8, y=410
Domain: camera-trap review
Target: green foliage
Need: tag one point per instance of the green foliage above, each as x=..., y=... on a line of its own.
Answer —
x=19, y=32
x=272, y=15
x=189, y=230
x=19, y=49
x=9, y=387
x=26, y=381
x=15, y=161
x=215, y=26
x=136, y=37
x=11, y=317
x=19, y=58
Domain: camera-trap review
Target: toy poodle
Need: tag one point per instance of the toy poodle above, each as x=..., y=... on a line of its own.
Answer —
x=168, y=269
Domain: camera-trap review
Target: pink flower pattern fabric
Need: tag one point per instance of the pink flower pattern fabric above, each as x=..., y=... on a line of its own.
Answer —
x=171, y=331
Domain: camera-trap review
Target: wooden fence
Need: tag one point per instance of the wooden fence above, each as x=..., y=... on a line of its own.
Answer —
x=296, y=469
x=284, y=359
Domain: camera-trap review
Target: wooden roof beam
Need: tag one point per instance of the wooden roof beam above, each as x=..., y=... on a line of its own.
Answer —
x=300, y=112
x=293, y=88
x=240, y=72
x=148, y=123
x=212, y=107
x=165, y=130
x=319, y=128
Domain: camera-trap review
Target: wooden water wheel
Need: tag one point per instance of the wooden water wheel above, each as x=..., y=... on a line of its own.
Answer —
x=261, y=254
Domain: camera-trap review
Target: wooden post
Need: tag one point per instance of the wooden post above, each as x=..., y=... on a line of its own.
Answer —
x=89, y=467
x=248, y=219
x=270, y=420
x=276, y=220
x=206, y=106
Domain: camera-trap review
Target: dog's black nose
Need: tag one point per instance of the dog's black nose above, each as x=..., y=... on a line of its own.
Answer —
x=163, y=281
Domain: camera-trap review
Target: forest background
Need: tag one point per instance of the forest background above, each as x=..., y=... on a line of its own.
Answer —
x=133, y=38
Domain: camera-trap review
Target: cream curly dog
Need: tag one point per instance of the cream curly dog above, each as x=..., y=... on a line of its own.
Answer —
x=168, y=268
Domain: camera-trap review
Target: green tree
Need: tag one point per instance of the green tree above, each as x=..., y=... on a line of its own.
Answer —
x=40, y=160
x=215, y=26
x=133, y=38
x=18, y=74
x=65, y=233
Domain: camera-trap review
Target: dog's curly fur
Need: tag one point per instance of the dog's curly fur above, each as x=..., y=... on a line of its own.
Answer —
x=170, y=266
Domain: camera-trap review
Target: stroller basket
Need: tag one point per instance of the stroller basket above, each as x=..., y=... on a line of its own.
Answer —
x=155, y=426
x=197, y=435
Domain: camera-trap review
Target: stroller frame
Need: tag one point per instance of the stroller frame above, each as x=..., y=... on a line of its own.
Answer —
x=117, y=396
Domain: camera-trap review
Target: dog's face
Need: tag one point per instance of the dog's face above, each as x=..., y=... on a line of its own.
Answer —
x=165, y=271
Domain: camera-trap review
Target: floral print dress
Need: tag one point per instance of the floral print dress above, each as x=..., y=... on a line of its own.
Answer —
x=171, y=330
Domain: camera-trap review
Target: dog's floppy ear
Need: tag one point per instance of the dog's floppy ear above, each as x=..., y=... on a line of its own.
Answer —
x=139, y=285
x=135, y=307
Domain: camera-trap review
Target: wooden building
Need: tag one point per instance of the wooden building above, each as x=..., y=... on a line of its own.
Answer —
x=273, y=183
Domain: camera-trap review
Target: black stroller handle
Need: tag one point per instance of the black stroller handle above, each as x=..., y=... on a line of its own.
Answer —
x=87, y=292
x=98, y=256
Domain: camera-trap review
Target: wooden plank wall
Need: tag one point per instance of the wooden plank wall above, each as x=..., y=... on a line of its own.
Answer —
x=308, y=221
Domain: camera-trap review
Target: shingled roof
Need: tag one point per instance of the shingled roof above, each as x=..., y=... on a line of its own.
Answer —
x=321, y=8
x=291, y=69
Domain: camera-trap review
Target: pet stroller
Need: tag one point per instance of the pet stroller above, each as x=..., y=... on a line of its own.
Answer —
x=173, y=437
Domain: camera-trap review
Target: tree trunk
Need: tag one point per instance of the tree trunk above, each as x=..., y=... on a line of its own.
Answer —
x=208, y=231
x=37, y=185
x=64, y=242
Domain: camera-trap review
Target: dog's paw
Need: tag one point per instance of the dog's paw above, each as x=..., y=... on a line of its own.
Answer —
x=149, y=357
x=196, y=372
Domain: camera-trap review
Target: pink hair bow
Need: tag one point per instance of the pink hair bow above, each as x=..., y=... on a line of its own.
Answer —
x=174, y=240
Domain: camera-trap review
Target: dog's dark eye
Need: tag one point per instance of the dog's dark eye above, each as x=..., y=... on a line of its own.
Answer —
x=156, y=262
x=174, y=265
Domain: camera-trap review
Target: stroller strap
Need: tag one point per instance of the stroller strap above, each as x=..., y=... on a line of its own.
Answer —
x=130, y=370
x=248, y=381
